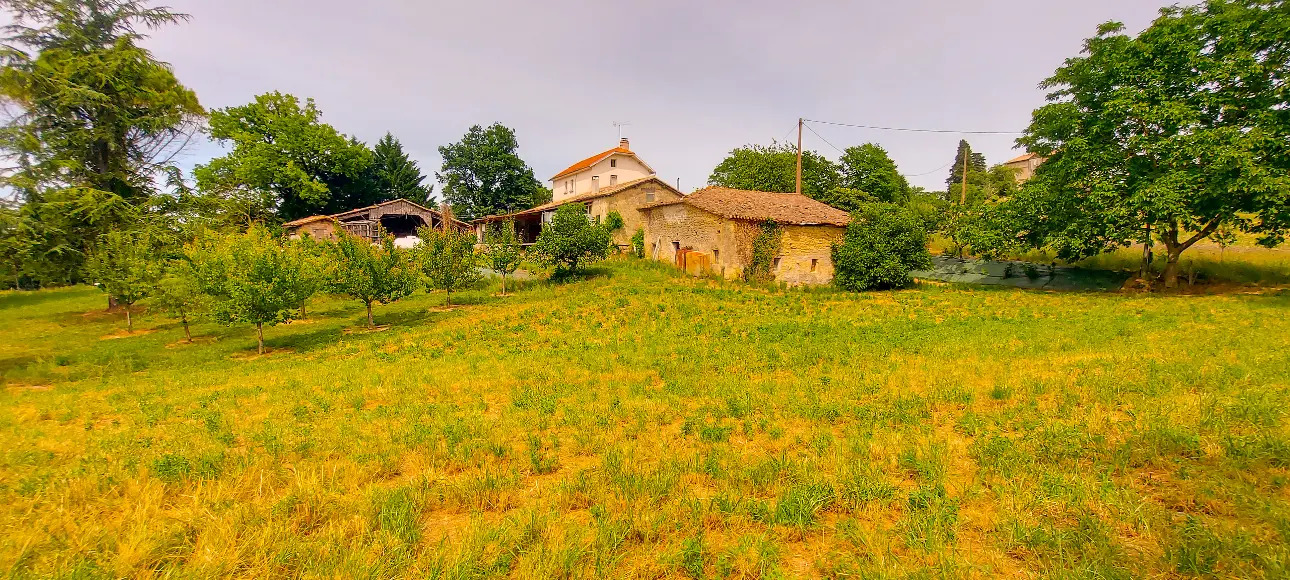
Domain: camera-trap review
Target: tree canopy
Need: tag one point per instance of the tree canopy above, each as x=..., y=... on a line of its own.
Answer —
x=398, y=176
x=286, y=157
x=484, y=175
x=774, y=168
x=869, y=168
x=1165, y=136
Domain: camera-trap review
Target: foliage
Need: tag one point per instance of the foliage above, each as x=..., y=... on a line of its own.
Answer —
x=286, y=160
x=484, y=175
x=774, y=168
x=1224, y=236
x=638, y=243
x=369, y=272
x=94, y=119
x=846, y=199
x=253, y=277
x=766, y=246
x=398, y=176
x=930, y=207
x=448, y=260
x=883, y=244
x=984, y=230
x=502, y=250
x=976, y=164
x=869, y=168
x=572, y=240
x=179, y=293
x=124, y=264
x=1174, y=132
x=614, y=221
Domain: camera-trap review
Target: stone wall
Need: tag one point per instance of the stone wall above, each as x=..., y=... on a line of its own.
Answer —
x=804, y=258
x=628, y=203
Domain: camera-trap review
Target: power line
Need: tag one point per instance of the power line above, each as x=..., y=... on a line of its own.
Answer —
x=941, y=168
x=906, y=129
x=817, y=134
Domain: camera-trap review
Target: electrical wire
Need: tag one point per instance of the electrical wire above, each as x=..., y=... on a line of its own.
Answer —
x=941, y=168
x=817, y=134
x=875, y=127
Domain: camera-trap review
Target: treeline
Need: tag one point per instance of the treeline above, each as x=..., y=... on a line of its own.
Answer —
x=98, y=122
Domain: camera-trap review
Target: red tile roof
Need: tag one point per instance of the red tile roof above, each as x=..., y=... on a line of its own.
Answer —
x=1026, y=157
x=308, y=220
x=604, y=192
x=783, y=208
x=588, y=162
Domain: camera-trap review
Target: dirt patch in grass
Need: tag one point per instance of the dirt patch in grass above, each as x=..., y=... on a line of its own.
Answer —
x=127, y=334
x=366, y=330
x=250, y=355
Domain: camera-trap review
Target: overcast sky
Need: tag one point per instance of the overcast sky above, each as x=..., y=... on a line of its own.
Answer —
x=695, y=78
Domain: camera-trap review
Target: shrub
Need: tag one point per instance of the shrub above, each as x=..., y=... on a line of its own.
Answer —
x=765, y=247
x=572, y=240
x=883, y=244
x=638, y=243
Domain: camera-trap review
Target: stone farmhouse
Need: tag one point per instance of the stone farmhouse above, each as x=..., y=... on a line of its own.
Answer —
x=1025, y=166
x=606, y=169
x=711, y=231
x=399, y=218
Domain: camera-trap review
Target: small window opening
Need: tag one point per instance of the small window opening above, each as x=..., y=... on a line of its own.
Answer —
x=613, y=163
x=613, y=180
x=776, y=263
x=814, y=263
x=649, y=197
x=716, y=255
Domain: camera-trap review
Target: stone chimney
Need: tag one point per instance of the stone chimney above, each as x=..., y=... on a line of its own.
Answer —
x=624, y=144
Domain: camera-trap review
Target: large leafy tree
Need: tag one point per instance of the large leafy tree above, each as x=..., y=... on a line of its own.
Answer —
x=285, y=156
x=870, y=169
x=883, y=244
x=484, y=175
x=1167, y=135
x=398, y=176
x=774, y=168
x=95, y=120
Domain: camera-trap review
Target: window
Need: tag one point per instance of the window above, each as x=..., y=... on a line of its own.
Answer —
x=776, y=266
x=613, y=163
x=595, y=183
x=613, y=180
x=716, y=255
x=814, y=263
x=649, y=196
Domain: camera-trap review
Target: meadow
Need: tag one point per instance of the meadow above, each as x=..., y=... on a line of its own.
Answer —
x=639, y=423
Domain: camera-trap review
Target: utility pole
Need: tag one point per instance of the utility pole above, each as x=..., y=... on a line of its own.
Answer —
x=799, y=156
x=967, y=153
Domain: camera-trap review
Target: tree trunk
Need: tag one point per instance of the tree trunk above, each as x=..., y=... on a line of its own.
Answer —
x=370, y=324
x=1146, y=255
x=111, y=302
x=503, y=283
x=187, y=333
x=302, y=310
x=1171, y=268
x=129, y=322
x=259, y=336
x=448, y=301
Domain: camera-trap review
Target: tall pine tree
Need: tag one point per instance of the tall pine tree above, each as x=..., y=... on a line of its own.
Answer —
x=976, y=164
x=398, y=176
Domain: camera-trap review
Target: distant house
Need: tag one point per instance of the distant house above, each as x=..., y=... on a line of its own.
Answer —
x=606, y=169
x=399, y=218
x=1025, y=166
x=625, y=198
x=712, y=231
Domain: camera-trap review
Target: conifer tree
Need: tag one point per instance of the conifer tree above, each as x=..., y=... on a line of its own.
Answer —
x=398, y=176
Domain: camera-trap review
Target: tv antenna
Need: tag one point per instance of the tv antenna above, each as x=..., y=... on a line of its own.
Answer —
x=619, y=125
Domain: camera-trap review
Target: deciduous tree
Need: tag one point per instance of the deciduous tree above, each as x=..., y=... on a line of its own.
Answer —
x=284, y=155
x=572, y=240
x=1166, y=135
x=180, y=294
x=447, y=260
x=882, y=245
x=369, y=272
x=869, y=168
x=774, y=168
x=126, y=265
x=253, y=277
x=484, y=175
x=502, y=250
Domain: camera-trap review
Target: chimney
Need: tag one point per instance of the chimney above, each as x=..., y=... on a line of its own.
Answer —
x=624, y=144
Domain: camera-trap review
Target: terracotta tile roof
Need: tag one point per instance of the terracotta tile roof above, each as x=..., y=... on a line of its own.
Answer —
x=308, y=220
x=588, y=162
x=784, y=208
x=604, y=192
x=1026, y=157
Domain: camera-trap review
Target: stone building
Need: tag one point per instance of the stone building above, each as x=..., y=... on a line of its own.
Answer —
x=399, y=218
x=1025, y=166
x=625, y=198
x=711, y=231
x=605, y=169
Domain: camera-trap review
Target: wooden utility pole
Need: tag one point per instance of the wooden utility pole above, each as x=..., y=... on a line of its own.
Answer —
x=799, y=156
x=967, y=153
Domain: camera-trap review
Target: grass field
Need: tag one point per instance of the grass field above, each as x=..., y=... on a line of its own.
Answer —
x=642, y=424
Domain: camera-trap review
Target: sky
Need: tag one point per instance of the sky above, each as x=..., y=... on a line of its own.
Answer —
x=694, y=78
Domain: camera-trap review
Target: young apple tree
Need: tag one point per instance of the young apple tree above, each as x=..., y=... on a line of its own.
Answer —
x=371, y=273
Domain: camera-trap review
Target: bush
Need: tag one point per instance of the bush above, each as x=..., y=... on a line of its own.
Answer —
x=571, y=239
x=638, y=243
x=883, y=244
x=448, y=260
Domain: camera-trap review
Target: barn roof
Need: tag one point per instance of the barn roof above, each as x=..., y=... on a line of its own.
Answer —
x=603, y=192
x=783, y=208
